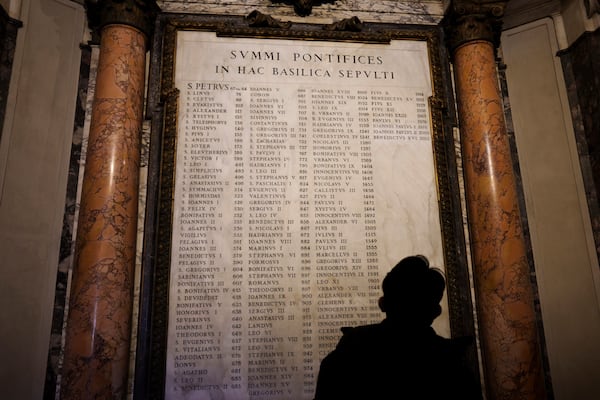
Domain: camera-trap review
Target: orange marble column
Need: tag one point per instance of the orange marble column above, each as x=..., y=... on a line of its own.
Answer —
x=99, y=321
x=504, y=292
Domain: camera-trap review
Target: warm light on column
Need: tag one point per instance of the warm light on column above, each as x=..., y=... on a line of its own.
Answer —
x=505, y=303
x=96, y=359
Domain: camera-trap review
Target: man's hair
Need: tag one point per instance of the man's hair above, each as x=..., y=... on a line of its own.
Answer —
x=413, y=283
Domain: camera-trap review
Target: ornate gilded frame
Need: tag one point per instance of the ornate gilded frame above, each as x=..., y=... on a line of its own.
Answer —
x=162, y=108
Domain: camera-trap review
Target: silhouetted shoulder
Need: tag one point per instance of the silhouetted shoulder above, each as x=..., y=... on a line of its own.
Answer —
x=388, y=359
x=401, y=355
x=362, y=332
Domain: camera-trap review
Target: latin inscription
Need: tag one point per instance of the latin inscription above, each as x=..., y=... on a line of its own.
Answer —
x=289, y=208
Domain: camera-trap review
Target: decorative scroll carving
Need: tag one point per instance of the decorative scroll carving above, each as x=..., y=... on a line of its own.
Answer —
x=352, y=24
x=240, y=27
x=491, y=7
x=470, y=20
x=257, y=19
x=304, y=7
x=592, y=7
x=137, y=13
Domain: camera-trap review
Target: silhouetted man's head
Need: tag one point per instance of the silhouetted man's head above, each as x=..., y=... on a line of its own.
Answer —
x=412, y=291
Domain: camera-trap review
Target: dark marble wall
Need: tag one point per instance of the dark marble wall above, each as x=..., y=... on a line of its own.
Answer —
x=8, y=39
x=69, y=225
x=581, y=66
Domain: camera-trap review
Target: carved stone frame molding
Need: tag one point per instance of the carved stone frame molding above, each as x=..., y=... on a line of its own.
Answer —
x=162, y=105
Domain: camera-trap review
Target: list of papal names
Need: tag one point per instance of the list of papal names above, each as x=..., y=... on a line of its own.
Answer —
x=278, y=241
x=292, y=200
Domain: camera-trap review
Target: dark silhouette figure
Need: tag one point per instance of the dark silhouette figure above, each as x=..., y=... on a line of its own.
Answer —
x=402, y=357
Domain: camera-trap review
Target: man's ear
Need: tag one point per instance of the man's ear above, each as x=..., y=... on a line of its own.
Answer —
x=381, y=303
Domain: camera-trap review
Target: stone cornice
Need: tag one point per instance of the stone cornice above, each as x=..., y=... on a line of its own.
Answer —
x=139, y=14
x=470, y=20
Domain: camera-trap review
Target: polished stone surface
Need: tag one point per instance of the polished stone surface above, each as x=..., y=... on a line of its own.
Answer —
x=67, y=242
x=580, y=64
x=98, y=328
x=501, y=271
x=341, y=98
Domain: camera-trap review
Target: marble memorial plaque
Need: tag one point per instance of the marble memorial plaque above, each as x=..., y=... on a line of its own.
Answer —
x=304, y=172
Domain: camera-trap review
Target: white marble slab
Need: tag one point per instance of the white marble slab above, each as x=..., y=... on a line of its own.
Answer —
x=304, y=172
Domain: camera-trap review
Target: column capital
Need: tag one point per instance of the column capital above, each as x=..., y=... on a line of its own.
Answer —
x=139, y=14
x=471, y=20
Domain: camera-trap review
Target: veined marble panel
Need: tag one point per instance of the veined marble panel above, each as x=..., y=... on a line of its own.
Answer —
x=388, y=11
x=69, y=227
x=290, y=208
